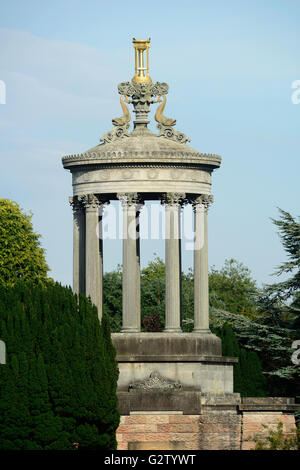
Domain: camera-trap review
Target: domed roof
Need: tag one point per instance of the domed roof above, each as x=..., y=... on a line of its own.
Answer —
x=140, y=149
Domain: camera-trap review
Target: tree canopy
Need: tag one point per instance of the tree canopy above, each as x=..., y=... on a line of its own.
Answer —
x=21, y=254
x=232, y=288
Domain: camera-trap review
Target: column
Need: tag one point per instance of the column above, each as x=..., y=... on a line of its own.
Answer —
x=201, y=293
x=173, y=203
x=78, y=245
x=93, y=250
x=131, y=313
x=138, y=265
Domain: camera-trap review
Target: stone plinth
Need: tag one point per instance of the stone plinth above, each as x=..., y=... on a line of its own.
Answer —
x=175, y=346
x=180, y=365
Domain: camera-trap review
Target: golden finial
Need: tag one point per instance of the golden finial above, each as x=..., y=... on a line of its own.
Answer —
x=141, y=72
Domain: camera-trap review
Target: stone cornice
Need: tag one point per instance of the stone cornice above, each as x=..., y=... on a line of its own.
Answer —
x=142, y=158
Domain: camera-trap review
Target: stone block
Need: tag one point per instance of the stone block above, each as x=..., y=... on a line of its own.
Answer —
x=136, y=428
x=183, y=419
x=178, y=427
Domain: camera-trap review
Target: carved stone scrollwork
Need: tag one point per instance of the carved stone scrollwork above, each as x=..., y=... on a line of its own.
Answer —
x=203, y=201
x=155, y=382
x=174, y=199
x=116, y=133
x=159, y=89
x=172, y=134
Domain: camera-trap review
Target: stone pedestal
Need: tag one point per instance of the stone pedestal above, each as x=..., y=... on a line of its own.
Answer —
x=181, y=362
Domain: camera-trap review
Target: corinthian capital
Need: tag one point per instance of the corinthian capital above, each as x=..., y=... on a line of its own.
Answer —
x=169, y=199
x=75, y=203
x=92, y=201
x=130, y=199
x=203, y=202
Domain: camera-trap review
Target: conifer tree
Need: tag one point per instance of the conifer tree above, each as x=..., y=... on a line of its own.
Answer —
x=230, y=347
x=58, y=387
x=247, y=373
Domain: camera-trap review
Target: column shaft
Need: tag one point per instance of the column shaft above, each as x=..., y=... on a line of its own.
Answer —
x=94, y=258
x=173, y=262
x=78, y=245
x=131, y=318
x=201, y=292
x=138, y=271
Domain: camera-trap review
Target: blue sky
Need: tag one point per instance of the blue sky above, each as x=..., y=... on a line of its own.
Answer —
x=230, y=66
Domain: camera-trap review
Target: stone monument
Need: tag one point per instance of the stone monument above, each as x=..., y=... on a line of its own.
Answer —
x=175, y=389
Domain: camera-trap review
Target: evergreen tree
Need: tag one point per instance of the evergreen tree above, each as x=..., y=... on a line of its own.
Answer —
x=58, y=388
x=280, y=302
x=230, y=347
x=248, y=376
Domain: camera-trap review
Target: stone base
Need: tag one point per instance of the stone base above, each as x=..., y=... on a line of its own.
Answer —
x=222, y=427
x=180, y=401
x=175, y=391
x=192, y=360
x=165, y=346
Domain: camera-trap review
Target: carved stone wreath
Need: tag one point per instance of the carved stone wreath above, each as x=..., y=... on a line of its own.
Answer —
x=155, y=382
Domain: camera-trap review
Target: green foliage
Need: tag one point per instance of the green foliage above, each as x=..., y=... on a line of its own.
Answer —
x=247, y=373
x=280, y=302
x=230, y=347
x=153, y=290
x=21, y=256
x=112, y=298
x=232, y=288
x=289, y=232
x=58, y=388
x=277, y=439
x=152, y=297
x=272, y=343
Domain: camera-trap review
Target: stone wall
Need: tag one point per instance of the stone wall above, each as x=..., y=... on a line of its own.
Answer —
x=221, y=430
x=252, y=423
x=158, y=431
